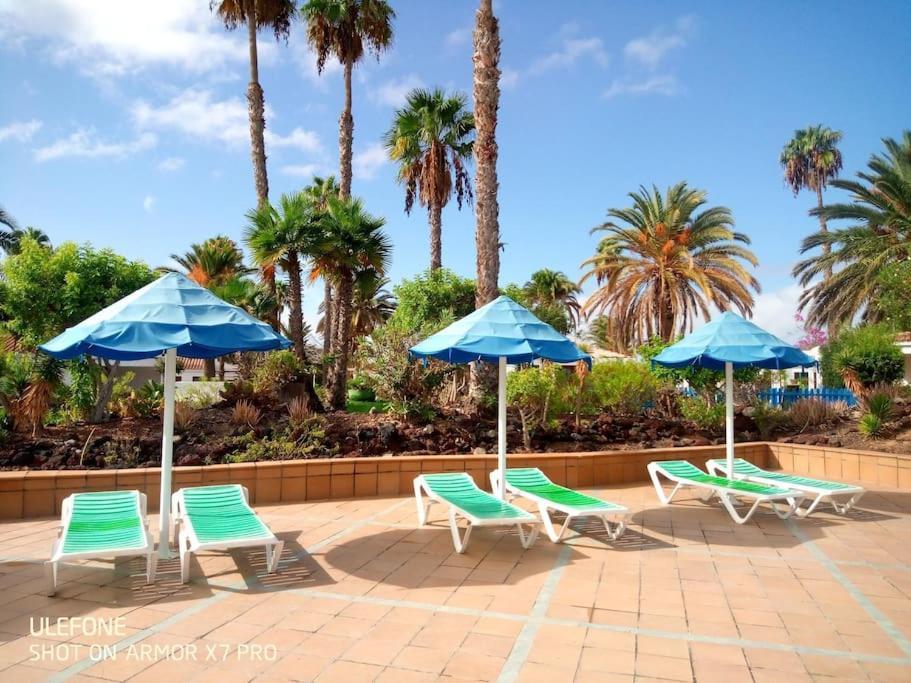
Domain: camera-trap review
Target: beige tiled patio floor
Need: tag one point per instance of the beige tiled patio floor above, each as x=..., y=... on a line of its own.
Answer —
x=361, y=594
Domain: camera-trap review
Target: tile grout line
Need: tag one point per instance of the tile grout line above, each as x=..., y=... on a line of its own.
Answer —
x=615, y=628
x=87, y=663
x=875, y=613
x=520, y=649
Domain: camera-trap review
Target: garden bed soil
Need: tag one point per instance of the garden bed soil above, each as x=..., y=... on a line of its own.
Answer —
x=213, y=439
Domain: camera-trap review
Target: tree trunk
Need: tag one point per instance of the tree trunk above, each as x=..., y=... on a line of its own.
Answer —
x=103, y=397
x=435, y=217
x=487, y=232
x=338, y=376
x=256, y=109
x=328, y=316
x=208, y=369
x=296, y=323
x=823, y=227
x=221, y=368
x=345, y=139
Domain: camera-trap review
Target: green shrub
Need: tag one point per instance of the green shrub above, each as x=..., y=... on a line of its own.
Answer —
x=769, y=419
x=880, y=405
x=871, y=426
x=537, y=393
x=868, y=352
x=431, y=298
x=622, y=387
x=275, y=371
x=200, y=396
x=705, y=416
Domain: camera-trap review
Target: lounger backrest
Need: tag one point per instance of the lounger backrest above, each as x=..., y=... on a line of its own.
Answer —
x=460, y=491
x=534, y=481
x=681, y=468
x=104, y=520
x=527, y=477
x=221, y=513
x=748, y=469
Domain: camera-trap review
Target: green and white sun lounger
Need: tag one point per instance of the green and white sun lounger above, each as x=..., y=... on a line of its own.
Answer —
x=102, y=524
x=219, y=518
x=532, y=484
x=820, y=490
x=686, y=475
x=458, y=491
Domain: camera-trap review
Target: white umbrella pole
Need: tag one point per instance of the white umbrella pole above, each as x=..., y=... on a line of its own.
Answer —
x=167, y=452
x=729, y=416
x=501, y=425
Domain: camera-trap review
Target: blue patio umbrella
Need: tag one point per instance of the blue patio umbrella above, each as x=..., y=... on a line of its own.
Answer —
x=727, y=343
x=505, y=333
x=172, y=316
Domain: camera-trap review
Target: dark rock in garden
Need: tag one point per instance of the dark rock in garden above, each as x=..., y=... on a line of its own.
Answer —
x=387, y=432
x=190, y=460
x=479, y=451
x=70, y=443
x=699, y=440
x=429, y=430
x=178, y=438
x=576, y=436
x=491, y=434
x=23, y=458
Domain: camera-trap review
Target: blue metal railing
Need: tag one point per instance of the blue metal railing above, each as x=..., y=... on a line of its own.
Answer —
x=785, y=397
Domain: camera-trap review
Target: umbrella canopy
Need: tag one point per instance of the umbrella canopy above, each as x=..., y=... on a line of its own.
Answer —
x=172, y=315
x=173, y=312
x=501, y=332
x=732, y=339
x=727, y=343
x=500, y=329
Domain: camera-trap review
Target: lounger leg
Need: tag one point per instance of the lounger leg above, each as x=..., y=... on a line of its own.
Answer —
x=528, y=540
x=459, y=541
x=184, y=558
x=423, y=510
x=793, y=506
x=552, y=533
x=50, y=572
x=842, y=509
x=618, y=528
x=273, y=553
x=659, y=489
x=804, y=512
x=732, y=511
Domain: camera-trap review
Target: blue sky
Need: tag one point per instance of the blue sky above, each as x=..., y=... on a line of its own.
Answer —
x=127, y=127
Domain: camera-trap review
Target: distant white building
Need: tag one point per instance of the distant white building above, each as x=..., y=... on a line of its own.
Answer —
x=903, y=341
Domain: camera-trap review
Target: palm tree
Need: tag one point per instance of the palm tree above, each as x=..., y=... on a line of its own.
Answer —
x=11, y=241
x=7, y=233
x=667, y=260
x=319, y=191
x=352, y=243
x=431, y=138
x=279, y=237
x=552, y=287
x=372, y=306
x=811, y=159
x=256, y=14
x=212, y=262
x=343, y=28
x=879, y=235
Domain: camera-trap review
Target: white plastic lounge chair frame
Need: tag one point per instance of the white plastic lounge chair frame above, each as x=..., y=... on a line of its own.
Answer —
x=820, y=494
x=614, y=529
x=189, y=543
x=57, y=551
x=460, y=541
x=726, y=494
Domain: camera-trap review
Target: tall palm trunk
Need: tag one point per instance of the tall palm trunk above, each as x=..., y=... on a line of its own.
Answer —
x=256, y=109
x=338, y=377
x=487, y=232
x=435, y=216
x=345, y=138
x=296, y=323
x=208, y=368
x=328, y=316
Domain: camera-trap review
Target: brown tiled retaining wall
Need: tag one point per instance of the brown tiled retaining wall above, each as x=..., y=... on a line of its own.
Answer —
x=26, y=494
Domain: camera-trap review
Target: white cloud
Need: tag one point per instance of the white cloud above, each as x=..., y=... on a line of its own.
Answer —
x=774, y=311
x=85, y=143
x=571, y=51
x=148, y=202
x=112, y=38
x=369, y=160
x=654, y=85
x=650, y=50
x=394, y=92
x=302, y=170
x=458, y=38
x=20, y=131
x=197, y=114
x=171, y=164
x=509, y=78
